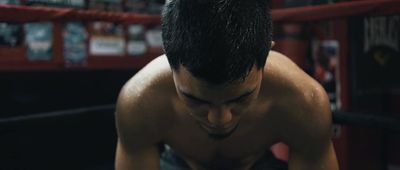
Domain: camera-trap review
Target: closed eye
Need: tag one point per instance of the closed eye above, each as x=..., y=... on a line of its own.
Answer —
x=241, y=98
x=194, y=100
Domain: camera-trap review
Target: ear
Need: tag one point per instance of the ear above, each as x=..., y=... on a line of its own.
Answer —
x=272, y=44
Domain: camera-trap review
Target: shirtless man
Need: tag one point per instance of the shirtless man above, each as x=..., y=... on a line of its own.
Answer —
x=219, y=98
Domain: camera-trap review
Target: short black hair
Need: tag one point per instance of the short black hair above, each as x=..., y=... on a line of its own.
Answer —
x=218, y=41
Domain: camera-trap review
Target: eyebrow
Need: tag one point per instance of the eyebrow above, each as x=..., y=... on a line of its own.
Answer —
x=190, y=96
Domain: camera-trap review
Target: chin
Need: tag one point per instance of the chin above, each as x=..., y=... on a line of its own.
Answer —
x=221, y=136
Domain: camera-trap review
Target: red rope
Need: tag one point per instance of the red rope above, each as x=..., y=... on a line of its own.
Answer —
x=338, y=10
x=22, y=14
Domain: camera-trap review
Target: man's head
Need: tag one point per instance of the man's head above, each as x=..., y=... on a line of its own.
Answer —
x=217, y=50
x=217, y=40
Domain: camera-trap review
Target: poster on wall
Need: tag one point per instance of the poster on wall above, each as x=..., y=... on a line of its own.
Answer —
x=137, y=44
x=154, y=38
x=107, y=39
x=39, y=40
x=75, y=36
x=11, y=35
x=375, y=55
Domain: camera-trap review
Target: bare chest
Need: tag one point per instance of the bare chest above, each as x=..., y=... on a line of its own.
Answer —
x=245, y=146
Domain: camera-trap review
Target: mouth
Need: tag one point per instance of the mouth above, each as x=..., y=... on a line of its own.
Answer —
x=219, y=129
x=220, y=134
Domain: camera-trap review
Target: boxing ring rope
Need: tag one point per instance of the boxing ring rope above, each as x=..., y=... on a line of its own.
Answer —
x=24, y=14
x=369, y=120
x=337, y=11
x=55, y=114
x=345, y=118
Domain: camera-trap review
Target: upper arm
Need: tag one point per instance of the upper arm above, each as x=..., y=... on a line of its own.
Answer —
x=137, y=134
x=144, y=158
x=306, y=116
x=310, y=142
x=315, y=156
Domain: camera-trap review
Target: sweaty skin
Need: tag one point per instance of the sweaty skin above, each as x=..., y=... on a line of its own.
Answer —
x=283, y=104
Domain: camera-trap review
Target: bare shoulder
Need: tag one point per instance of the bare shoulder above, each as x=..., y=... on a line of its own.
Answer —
x=154, y=72
x=303, y=102
x=138, y=111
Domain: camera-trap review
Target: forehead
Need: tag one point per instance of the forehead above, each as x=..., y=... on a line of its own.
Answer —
x=186, y=81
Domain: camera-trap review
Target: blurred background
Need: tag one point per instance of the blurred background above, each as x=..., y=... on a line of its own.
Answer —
x=59, y=78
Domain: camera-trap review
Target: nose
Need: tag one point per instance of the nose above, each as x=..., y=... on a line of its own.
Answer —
x=219, y=117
